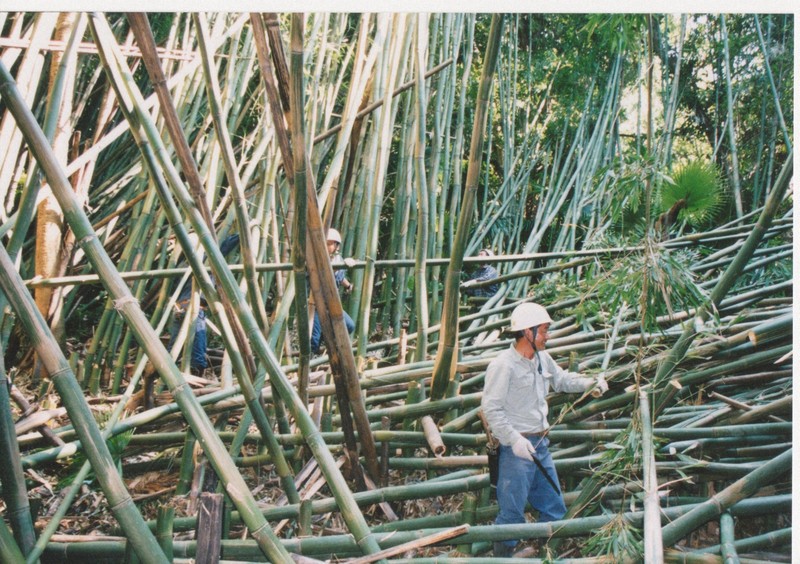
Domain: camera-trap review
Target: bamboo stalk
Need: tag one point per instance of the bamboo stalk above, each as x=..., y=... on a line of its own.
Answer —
x=421, y=543
x=726, y=539
x=64, y=380
x=124, y=303
x=9, y=550
x=740, y=489
x=208, y=288
x=653, y=547
x=15, y=493
x=431, y=432
x=345, y=545
x=301, y=186
x=444, y=368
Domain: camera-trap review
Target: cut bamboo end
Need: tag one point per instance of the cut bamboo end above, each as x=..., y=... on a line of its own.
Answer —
x=433, y=436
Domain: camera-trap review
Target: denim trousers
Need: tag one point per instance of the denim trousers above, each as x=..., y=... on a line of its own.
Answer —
x=316, y=330
x=521, y=481
x=200, y=343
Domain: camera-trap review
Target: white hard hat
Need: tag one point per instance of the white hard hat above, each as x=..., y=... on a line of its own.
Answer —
x=528, y=315
x=488, y=252
x=333, y=235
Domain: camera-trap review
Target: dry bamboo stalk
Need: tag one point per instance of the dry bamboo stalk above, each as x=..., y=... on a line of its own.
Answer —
x=38, y=419
x=420, y=543
x=385, y=507
x=783, y=405
x=91, y=48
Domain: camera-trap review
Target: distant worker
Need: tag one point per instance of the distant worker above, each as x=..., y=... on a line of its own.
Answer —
x=485, y=273
x=515, y=406
x=334, y=241
x=199, y=361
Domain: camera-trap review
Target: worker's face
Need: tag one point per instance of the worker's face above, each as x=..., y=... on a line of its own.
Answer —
x=540, y=341
x=332, y=246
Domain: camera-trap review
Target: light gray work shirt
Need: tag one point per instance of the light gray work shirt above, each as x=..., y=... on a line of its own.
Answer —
x=515, y=394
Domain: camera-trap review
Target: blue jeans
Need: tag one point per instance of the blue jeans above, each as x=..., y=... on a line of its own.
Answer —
x=316, y=330
x=200, y=342
x=521, y=481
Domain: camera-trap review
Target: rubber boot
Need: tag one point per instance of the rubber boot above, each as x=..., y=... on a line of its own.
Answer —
x=502, y=550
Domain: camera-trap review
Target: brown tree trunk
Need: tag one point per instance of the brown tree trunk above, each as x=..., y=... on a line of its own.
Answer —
x=49, y=218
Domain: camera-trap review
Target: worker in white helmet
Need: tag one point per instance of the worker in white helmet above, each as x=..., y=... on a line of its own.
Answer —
x=334, y=242
x=515, y=406
x=484, y=273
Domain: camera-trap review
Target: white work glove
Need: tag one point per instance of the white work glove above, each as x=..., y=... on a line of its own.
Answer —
x=468, y=283
x=600, y=387
x=523, y=449
x=350, y=262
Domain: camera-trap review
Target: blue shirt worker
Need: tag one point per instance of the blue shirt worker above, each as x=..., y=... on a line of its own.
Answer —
x=334, y=241
x=515, y=406
x=485, y=273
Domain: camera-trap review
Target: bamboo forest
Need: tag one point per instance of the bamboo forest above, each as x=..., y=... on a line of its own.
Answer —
x=275, y=287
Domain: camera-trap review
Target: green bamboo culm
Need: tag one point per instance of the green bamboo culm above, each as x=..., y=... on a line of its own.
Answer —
x=116, y=76
x=237, y=489
x=297, y=99
x=329, y=309
x=740, y=489
x=15, y=494
x=121, y=502
x=9, y=551
x=727, y=538
x=447, y=356
x=235, y=485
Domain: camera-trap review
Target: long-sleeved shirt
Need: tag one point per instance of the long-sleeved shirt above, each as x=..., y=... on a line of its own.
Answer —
x=515, y=394
x=339, y=274
x=486, y=272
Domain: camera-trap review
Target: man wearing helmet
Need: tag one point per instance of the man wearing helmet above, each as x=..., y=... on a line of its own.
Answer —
x=334, y=240
x=515, y=406
x=485, y=273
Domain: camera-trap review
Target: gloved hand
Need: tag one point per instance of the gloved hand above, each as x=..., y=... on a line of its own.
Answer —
x=600, y=387
x=350, y=262
x=523, y=449
x=468, y=283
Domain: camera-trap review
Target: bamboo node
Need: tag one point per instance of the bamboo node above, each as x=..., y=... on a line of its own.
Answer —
x=123, y=301
x=84, y=240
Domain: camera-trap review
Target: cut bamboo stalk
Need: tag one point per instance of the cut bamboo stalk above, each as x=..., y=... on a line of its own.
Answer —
x=209, y=528
x=727, y=538
x=432, y=435
x=653, y=546
x=36, y=420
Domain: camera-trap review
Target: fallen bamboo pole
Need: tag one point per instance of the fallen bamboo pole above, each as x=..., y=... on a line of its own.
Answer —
x=342, y=545
x=737, y=491
x=411, y=545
